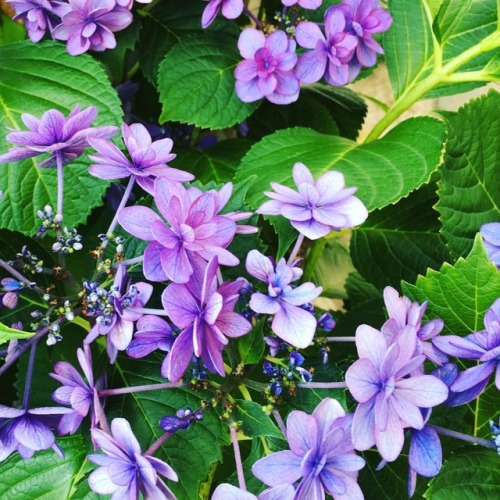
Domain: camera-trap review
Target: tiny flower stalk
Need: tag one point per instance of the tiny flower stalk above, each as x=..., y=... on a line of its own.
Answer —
x=463, y=437
x=29, y=376
x=60, y=189
x=237, y=457
x=140, y=388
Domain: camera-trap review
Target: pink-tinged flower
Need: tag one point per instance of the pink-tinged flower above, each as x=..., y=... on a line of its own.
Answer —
x=89, y=25
x=483, y=347
x=38, y=15
x=27, y=431
x=62, y=137
x=267, y=70
x=330, y=56
x=148, y=159
x=364, y=18
x=321, y=453
x=491, y=239
x=124, y=471
x=206, y=315
x=114, y=311
x=318, y=207
x=195, y=232
x=389, y=397
x=305, y=4
x=291, y=323
x=231, y=9
x=152, y=333
x=402, y=312
x=227, y=491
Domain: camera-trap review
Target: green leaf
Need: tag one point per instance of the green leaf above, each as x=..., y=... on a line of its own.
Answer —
x=469, y=191
x=251, y=346
x=7, y=334
x=384, y=170
x=459, y=294
x=205, y=65
x=33, y=79
x=471, y=472
x=10, y=31
x=167, y=23
x=254, y=422
x=400, y=241
x=46, y=475
x=190, y=452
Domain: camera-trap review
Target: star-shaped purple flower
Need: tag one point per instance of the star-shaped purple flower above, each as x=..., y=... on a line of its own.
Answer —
x=321, y=453
x=318, y=207
x=62, y=137
x=206, y=315
x=231, y=9
x=291, y=323
x=124, y=471
x=148, y=159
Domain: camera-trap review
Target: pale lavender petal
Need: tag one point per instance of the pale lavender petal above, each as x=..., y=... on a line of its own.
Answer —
x=363, y=426
x=326, y=413
x=121, y=334
x=248, y=91
x=281, y=492
x=390, y=441
x=210, y=13
x=294, y=325
x=426, y=456
x=33, y=434
x=259, y=266
x=310, y=67
x=162, y=468
x=424, y=391
x=180, y=305
x=363, y=380
x=311, y=228
x=231, y=9
x=179, y=357
x=303, y=294
x=138, y=221
x=282, y=467
x=229, y=492
x=370, y=344
x=152, y=267
x=407, y=412
x=473, y=376
x=250, y=41
x=301, y=432
x=100, y=482
x=307, y=35
x=233, y=324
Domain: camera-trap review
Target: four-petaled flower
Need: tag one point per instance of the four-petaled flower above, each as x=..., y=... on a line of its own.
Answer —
x=291, y=323
x=38, y=15
x=231, y=9
x=319, y=207
x=124, y=471
x=321, y=452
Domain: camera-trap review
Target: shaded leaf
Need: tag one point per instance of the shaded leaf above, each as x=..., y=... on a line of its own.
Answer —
x=254, y=422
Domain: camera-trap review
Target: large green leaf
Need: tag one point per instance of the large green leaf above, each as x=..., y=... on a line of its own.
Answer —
x=400, y=241
x=7, y=334
x=469, y=192
x=384, y=171
x=10, y=31
x=459, y=294
x=468, y=473
x=206, y=98
x=45, y=476
x=254, y=422
x=33, y=79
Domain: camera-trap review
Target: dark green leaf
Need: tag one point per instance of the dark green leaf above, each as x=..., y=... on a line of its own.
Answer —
x=10, y=31
x=251, y=346
x=254, y=422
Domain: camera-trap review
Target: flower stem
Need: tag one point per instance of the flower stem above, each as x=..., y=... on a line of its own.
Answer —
x=29, y=376
x=279, y=421
x=20, y=277
x=147, y=310
x=341, y=339
x=253, y=17
x=463, y=437
x=323, y=385
x=60, y=187
x=296, y=249
x=157, y=443
x=123, y=202
x=237, y=458
x=130, y=262
x=140, y=388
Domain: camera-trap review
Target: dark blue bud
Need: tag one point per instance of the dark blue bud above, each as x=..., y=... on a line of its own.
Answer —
x=296, y=359
x=326, y=322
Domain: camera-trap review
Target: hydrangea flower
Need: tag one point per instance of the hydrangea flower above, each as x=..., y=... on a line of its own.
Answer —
x=152, y=333
x=114, y=311
x=148, y=159
x=389, y=397
x=89, y=24
x=124, y=471
x=321, y=453
x=27, y=431
x=267, y=70
x=291, y=323
x=330, y=56
x=206, y=315
x=195, y=232
x=491, y=239
x=318, y=207
x=38, y=15
x=227, y=491
x=231, y=9
x=62, y=137
x=483, y=347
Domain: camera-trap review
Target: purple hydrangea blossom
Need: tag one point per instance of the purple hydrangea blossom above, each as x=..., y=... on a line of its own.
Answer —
x=305, y=4
x=195, y=233
x=291, y=323
x=89, y=25
x=330, y=56
x=124, y=471
x=231, y=9
x=61, y=137
x=321, y=452
x=318, y=207
x=152, y=333
x=364, y=18
x=227, y=491
x=38, y=15
x=206, y=315
x=402, y=313
x=148, y=159
x=114, y=312
x=389, y=397
x=483, y=347
x=491, y=239
x=267, y=70
x=27, y=431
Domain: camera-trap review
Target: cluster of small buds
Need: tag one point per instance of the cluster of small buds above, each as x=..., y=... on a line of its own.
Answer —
x=41, y=321
x=198, y=372
x=286, y=22
x=54, y=335
x=28, y=262
x=282, y=376
x=49, y=220
x=495, y=429
x=68, y=242
x=67, y=310
x=97, y=303
x=182, y=420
